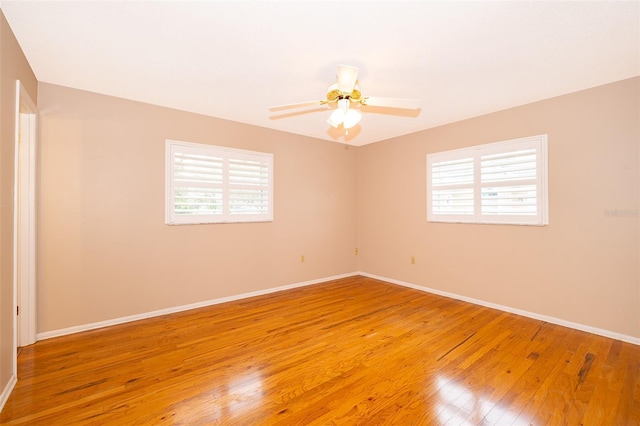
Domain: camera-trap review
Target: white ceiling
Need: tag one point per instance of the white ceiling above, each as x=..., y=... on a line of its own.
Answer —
x=234, y=59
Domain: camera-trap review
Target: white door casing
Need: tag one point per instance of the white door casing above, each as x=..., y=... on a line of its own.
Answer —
x=24, y=219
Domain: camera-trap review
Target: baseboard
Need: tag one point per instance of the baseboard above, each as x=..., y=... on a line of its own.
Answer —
x=4, y=396
x=174, y=309
x=552, y=320
x=122, y=320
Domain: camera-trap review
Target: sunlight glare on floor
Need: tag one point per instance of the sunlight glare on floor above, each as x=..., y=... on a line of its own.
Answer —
x=458, y=405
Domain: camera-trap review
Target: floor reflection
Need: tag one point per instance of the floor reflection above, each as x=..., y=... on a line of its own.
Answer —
x=459, y=405
x=243, y=394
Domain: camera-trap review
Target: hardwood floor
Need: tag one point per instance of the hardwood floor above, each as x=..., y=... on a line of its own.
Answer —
x=345, y=352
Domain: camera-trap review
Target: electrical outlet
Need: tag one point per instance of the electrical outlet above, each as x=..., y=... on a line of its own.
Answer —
x=413, y=260
x=302, y=259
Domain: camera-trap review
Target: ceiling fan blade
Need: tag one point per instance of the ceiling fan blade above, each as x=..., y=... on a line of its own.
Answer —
x=347, y=77
x=298, y=105
x=405, y=103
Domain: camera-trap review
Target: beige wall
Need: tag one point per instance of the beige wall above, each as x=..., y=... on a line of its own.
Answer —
x=13, y=66
x=104, y=250
x=583, y=267
x=105, y=253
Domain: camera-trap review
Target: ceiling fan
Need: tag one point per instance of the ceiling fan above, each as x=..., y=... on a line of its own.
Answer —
x=345, y=92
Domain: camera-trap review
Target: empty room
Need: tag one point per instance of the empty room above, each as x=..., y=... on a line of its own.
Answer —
x=319, y=213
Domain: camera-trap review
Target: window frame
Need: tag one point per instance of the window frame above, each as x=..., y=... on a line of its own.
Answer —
x=171, y=218
x=540, y=218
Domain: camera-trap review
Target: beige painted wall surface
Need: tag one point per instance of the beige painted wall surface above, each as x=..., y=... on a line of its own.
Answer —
x=105, y=251
x=583, y=267
x=13, y=66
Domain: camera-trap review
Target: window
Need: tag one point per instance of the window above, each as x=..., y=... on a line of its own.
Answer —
x=212, y=184
x=503, y=182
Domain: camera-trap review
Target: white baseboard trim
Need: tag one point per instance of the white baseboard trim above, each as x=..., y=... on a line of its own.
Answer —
x=4, y=396
x=552, y=320
x=174, y=309
x=122, y=320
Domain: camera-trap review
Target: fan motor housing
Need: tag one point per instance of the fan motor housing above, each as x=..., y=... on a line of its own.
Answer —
x=333, y=94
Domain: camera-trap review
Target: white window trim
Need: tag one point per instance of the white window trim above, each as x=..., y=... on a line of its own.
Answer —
x=172, y=146
x=538, y=142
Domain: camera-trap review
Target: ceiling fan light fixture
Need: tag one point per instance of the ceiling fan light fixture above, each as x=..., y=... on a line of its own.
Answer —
x=351, y=118
x=343, y=115
x=347, y=77
x=336, y=117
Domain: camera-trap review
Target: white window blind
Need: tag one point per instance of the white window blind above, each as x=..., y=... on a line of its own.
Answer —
x=211, y=184
x=452, y=181
x=509, y=183
x=503, y=182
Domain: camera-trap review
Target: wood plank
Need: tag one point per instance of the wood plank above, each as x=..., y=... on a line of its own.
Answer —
x=349, y=351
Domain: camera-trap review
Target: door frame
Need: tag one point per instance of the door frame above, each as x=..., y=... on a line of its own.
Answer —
x=24, y=223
